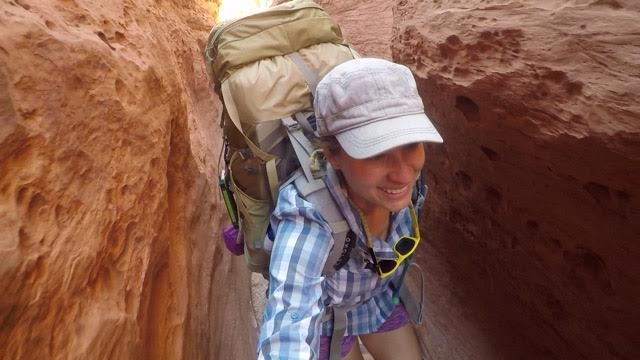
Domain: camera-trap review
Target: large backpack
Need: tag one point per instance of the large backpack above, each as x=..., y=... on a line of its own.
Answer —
x=265, y=68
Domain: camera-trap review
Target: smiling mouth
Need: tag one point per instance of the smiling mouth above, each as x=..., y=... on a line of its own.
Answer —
x=394, y=191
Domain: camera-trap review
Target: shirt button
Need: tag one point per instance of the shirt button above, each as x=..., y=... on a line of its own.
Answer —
x=294, y=316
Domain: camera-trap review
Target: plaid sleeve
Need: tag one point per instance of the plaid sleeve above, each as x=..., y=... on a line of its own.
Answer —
x=291, y=322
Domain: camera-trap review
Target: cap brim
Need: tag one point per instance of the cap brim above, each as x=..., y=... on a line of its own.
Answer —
x=383, y=135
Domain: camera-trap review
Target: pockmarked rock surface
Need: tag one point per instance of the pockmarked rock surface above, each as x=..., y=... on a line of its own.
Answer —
x=108, y=211
x=533, y=217
x=108, y=207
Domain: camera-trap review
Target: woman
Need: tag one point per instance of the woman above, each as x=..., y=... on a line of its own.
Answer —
x=372, y=126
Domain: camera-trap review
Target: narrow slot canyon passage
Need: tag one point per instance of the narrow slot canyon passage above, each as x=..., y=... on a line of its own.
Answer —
x=111, y=219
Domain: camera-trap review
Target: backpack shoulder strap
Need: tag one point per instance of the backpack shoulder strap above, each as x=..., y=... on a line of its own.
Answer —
x=310, y=186
x=314, y=190
x=317, y=193
x=301, y=145
x=419, y=193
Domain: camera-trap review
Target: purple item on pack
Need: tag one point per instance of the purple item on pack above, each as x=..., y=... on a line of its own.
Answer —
x=233, y=241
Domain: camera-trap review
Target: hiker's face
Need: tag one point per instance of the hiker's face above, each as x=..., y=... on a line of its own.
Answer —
x=382, y=182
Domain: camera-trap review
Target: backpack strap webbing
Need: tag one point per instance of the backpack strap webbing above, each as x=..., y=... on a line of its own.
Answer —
x=301, y=145
x=270, y=161
x=339, y=328
x=316, y=192
x=338, y=314
x=310, y=76
x=232, y=111
x=303, y=119
x=413, y=307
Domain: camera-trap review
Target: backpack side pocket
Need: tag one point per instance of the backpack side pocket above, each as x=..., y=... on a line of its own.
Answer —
x=250, y=186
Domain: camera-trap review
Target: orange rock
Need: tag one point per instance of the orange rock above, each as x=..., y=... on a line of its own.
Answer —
x=109, y=216
x=533, y=219
x=109, y=211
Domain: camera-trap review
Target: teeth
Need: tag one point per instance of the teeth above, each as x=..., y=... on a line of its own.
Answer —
x=394, y=191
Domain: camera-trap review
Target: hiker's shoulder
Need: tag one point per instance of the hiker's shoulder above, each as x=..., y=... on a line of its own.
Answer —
x=291, y=202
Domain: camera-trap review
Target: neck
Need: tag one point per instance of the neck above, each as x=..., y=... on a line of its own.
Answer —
x=380, y=229
x=377, y=220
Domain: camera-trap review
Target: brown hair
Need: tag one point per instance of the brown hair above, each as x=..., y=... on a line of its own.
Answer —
x=327, y=143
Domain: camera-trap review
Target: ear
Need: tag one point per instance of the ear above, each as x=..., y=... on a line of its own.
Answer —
x=332, y=158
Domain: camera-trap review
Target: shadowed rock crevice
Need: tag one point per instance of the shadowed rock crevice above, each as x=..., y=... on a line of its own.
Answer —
x=110, y=219
x=105, y=188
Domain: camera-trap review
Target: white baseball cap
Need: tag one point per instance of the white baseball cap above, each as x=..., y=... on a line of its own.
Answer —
x=371, y=106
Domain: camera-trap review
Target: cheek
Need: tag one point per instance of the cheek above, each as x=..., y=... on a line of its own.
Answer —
x=420, y=164
x=361, y=177
x=417, y=158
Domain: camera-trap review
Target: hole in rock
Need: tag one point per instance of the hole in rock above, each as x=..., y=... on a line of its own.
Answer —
x=490, y=153
x=454, y=40
x=623, y=195
x=467, y=106
x=465, y=180
x=493, y=198
x=104, y=39
x=599, y=192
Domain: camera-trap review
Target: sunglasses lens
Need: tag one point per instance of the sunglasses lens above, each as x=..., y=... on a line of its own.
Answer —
x=386, y=265
x=405, y=245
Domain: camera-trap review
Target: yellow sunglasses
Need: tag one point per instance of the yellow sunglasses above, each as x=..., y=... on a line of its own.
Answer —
x=403, y=248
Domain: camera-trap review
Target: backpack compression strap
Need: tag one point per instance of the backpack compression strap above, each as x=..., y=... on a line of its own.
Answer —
x=269, y=160
x=310, y=76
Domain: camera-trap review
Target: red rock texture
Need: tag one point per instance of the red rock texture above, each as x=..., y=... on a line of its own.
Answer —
x=534, y=213
x=108, y=207
x=109, y=214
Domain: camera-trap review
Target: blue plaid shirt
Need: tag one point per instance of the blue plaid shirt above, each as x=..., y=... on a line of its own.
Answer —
x=298, y=293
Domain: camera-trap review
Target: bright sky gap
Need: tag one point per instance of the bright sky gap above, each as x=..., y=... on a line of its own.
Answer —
x=231, y=9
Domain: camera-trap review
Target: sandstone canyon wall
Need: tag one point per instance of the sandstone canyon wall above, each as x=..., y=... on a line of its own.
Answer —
x=108, y=144
x=534, y=215
x=107, y=190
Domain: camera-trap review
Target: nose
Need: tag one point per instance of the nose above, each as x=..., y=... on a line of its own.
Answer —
x=401, y=170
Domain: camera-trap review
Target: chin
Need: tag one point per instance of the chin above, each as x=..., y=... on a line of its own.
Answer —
x=397, y=206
